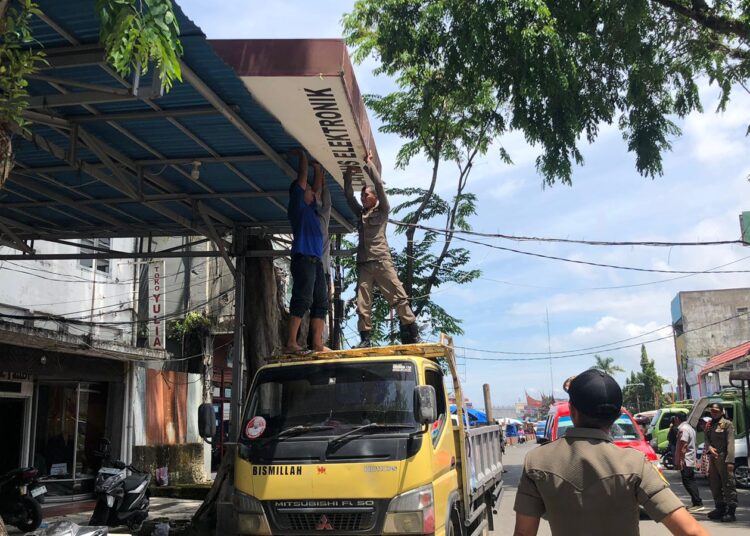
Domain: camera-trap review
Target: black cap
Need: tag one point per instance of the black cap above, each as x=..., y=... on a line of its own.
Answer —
x=596, y=394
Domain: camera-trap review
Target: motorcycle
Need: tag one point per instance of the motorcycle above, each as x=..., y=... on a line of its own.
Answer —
x=667, y=460
x=20, y=497
x=122, y=494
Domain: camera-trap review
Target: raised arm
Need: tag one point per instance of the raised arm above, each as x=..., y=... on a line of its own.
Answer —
x=377, y=183
x=349, y=192
x=301, y=167
x=318, y=180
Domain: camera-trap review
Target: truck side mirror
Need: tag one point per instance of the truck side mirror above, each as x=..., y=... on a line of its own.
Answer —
x=206, y=420
x=425, y=404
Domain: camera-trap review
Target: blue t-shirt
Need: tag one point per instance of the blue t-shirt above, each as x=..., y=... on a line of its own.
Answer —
x=308, y=236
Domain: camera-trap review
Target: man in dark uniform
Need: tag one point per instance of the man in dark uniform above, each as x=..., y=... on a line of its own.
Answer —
x=719, y=445
x=588, y=486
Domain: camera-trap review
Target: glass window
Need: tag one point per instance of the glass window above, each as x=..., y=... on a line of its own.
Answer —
x=624, y=429
x=665, y=420
x=435, y=379
x=339, y=395
x=563, y=424
x=102, y=265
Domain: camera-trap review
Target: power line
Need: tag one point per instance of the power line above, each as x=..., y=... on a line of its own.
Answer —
x=587, y=353
x=649, y=243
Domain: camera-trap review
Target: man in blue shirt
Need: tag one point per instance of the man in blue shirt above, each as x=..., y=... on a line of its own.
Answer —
x=309, y=289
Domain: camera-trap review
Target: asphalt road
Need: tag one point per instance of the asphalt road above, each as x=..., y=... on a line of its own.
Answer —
x=505, y=518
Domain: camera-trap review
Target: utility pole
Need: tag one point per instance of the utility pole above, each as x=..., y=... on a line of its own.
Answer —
x=549, y=349
x=488, y=403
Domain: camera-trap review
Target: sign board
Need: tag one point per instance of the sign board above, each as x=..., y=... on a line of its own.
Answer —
x=157, y=325
x=745, y=228
x=309, y=86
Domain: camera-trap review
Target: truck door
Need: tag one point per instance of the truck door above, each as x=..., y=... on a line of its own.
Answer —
x=444, y=477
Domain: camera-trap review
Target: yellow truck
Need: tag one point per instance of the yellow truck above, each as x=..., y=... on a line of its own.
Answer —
x=362, y=442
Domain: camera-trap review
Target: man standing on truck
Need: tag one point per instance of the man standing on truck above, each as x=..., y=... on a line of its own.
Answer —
x=685, y=460
x=720, y=447
x=309, y=290
x=587, y=485
x=374, y=262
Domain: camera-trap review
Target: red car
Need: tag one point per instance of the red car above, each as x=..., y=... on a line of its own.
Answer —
x=625, y=432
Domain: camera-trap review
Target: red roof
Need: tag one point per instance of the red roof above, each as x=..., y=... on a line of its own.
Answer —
x=725, y=357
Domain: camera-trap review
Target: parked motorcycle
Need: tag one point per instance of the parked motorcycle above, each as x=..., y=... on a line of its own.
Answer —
x=122, y=494
x=667, y=460
x=20, y=497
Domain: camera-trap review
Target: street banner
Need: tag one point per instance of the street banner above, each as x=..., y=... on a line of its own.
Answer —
x=157, y=325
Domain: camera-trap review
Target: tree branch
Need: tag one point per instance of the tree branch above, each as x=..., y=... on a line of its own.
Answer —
x=718, y=24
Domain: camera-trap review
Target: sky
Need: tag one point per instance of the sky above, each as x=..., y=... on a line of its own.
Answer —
x=699, y=197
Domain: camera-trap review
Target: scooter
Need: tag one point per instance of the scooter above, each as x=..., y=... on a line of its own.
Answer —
x=122, y=494
x=20, y=495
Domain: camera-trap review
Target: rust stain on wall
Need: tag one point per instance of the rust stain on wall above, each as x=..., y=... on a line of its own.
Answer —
x=166, y=407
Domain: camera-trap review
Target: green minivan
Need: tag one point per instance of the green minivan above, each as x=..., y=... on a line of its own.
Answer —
x=659, y=427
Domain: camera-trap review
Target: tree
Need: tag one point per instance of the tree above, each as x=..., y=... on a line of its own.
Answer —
x=135, y=34
x=448, y=123
x=606, y=365
x=561, y=69
x=643, y=390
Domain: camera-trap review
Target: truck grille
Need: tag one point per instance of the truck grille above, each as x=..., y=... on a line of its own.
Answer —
x=322, y=521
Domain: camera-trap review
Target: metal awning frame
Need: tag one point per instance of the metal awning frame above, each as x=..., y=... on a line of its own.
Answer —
x=125, y=175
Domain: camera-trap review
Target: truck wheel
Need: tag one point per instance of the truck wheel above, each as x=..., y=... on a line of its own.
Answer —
x=453, y=528
x=742, y=474
x=30, y=516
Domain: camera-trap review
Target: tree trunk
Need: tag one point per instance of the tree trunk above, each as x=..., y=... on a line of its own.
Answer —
x=265, y=330
x=6, y=155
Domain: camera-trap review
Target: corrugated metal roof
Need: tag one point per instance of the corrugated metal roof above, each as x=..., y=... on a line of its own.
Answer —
x=49, y=196
x=723, y=358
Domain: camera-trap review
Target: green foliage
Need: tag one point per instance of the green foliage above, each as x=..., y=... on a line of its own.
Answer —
x=18, y=60
x=561, y=69
x=643, y=390
x=133, y=37
x=607, y=365
x=194, y=324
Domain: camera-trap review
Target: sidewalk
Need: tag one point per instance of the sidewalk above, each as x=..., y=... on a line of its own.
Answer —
x=162, y=509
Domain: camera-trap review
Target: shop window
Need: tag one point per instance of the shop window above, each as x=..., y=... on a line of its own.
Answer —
x=70, y=422
x=102, y=265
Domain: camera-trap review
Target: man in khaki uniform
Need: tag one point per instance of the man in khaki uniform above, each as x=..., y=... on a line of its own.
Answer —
x=586, y=485
x=374, y=262
x=720, y=447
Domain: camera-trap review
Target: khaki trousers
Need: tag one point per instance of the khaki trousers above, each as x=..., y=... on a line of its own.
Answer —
x=721, y=482
x=383, y=275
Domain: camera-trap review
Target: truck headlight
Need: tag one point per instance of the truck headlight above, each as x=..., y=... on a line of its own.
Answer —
x=251, y=519
x=412, y=512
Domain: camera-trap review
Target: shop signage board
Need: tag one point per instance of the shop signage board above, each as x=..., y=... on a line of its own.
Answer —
x=157, y=324
x=309, y=86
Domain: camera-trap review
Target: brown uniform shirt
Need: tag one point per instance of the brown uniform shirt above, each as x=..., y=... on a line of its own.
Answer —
x=588, y=486
x=373, y=244
x=721, y=437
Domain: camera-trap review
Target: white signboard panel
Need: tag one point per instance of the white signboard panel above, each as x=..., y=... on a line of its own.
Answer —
x=156, y=308
x=317, y=112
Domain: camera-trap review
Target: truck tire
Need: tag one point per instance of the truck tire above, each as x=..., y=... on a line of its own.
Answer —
x=454, y=527
x=742, y=474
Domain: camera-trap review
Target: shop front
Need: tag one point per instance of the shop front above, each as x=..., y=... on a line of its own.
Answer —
x=56, y=408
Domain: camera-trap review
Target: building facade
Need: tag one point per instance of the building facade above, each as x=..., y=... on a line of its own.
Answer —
x=81, y=361
x=705, y=324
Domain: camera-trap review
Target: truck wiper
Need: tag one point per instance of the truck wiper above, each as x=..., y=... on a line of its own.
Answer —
x=296, y=430
x=341, y=439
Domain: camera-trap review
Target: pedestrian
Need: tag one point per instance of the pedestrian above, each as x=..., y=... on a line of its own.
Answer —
x=324, y=216
x=719, y=445
x=309, y=291
x=585, y=484
x=374, y=262
x=685, y=461
x=672, y=439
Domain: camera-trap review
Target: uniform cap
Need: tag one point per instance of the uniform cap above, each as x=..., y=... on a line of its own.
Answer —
x=596, y=394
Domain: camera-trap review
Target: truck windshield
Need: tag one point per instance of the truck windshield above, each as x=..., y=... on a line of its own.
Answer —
x=331, y=398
